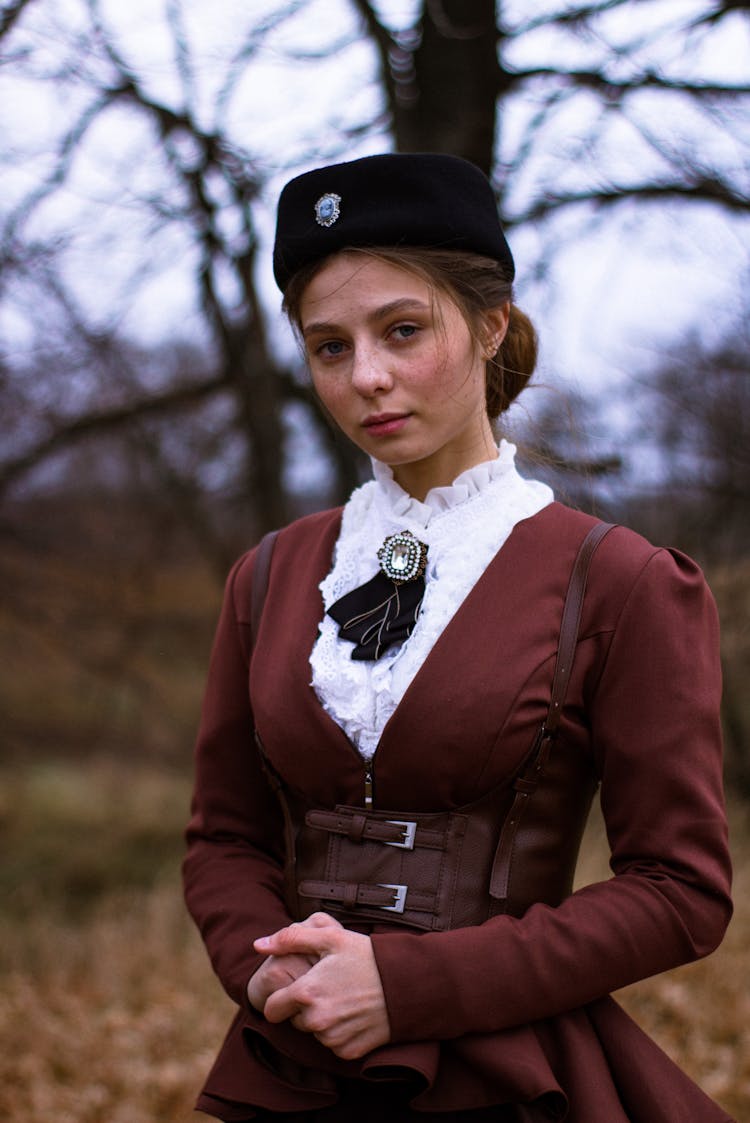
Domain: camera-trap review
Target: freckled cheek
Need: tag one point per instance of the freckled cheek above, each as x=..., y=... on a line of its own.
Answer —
x=337, y=399
x=453, y=382
x=430, y=376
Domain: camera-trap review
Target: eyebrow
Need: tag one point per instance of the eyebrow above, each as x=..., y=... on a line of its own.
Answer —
x=403, y=304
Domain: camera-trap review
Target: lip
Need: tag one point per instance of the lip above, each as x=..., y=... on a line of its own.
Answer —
x=383, y=424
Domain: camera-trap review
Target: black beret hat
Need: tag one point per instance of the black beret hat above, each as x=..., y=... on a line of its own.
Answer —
x=425, y=199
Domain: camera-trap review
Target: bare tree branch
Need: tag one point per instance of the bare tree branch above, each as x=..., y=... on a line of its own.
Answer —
x=614, y=89
x=720, y=10
x=181, y=50
x=66, y=153
x=10, y=13
x=389, y=51
x=107, y=421
x=701, y=189
x=567, y=17
x=249, y=49
x=446, y=84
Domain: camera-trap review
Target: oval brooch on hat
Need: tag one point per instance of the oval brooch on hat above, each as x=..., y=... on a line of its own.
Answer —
x=327, y=209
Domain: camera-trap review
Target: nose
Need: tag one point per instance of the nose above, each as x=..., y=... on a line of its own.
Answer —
x=370, y=371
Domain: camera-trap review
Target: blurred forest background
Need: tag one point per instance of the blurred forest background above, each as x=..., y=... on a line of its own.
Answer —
x=155, y=419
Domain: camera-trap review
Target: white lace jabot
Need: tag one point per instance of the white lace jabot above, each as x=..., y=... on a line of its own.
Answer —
x=480, y=507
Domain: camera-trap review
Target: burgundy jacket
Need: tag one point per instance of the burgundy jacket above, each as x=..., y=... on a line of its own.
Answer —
x=521, y=1012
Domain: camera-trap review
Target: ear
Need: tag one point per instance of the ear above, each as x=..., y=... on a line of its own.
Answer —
x=495, y=328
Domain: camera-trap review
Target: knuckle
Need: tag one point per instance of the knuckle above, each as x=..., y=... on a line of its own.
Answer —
x=347, y=1051
x=317, y=1024
x=304, y=991
x=291, y=938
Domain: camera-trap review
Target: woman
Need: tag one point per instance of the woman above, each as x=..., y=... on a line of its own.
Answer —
x=393, y=765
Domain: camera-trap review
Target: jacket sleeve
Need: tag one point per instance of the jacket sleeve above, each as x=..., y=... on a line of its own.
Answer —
x=232, y=872
x=654, y=721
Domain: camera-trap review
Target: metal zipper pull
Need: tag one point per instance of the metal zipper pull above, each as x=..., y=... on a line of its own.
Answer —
x=368, y=788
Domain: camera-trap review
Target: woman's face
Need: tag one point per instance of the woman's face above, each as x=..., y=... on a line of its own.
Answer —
x=395, y=364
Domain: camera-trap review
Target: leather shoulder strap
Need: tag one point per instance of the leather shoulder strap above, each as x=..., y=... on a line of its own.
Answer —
x=570, y=622
x=532, y=771
x=261, y=570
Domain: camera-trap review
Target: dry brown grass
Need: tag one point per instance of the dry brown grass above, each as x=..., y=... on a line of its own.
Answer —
x=111, y=1021
x=108, y=1009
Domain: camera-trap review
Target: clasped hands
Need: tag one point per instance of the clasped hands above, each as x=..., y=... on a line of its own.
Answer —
x=324, y=979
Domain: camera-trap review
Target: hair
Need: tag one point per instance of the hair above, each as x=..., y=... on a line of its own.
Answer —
x=475, y=284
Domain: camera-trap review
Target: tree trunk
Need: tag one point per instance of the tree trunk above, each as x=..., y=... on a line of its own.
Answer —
x=445, y=81
x=258, y=394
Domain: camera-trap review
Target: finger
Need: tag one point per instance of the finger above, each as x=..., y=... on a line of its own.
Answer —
x=298, y=939
x=350, y=1042
x=281, y=1005
x=321, y=920
x=315, y=920
x=355, y=1048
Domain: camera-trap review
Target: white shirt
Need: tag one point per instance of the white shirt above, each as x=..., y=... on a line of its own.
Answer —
x=464, y=525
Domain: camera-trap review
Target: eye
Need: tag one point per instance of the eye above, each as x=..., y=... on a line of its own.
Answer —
x=331, y=349
x=404, y=331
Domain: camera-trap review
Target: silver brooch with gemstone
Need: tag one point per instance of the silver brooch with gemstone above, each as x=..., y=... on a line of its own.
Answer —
x=402, y=557
x=327, y=209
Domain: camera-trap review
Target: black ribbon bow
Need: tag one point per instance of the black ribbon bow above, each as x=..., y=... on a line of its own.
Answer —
x=378, y=614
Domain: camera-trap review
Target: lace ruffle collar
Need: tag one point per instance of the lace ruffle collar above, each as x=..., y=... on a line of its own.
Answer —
x=466, y=486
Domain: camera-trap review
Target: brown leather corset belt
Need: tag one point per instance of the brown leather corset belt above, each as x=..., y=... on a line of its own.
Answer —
x=516, y=845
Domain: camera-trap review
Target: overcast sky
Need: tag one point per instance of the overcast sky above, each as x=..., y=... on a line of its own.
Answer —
x=613, y=294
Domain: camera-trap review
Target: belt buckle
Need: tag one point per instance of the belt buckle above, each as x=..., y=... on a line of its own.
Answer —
x=410, y=830
x=399, y=897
